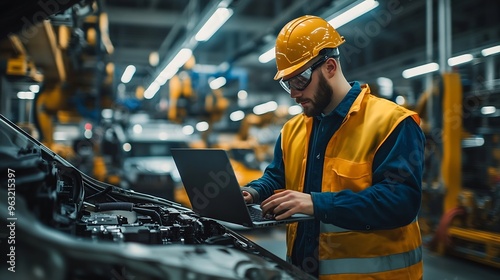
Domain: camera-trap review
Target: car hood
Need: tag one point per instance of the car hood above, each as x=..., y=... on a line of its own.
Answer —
x=157, y=165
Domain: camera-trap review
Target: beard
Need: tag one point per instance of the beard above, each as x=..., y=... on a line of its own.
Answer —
x=321, y=99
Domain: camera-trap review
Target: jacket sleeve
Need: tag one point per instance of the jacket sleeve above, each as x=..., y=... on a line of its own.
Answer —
x=394, y=198
x=273, y=177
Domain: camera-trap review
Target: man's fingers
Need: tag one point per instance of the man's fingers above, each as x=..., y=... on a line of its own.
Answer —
x=247, y=197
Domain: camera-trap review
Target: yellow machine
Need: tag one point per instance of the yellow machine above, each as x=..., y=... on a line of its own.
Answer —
x=469, y=226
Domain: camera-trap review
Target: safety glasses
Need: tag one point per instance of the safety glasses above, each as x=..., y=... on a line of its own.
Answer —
x=302, y=80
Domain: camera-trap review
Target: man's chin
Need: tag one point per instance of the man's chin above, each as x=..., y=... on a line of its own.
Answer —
x=311, y=113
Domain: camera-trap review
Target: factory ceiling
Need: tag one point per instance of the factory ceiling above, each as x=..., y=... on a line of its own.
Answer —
x=382, y=42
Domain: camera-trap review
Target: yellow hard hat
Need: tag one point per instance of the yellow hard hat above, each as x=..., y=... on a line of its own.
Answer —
x=301, y=40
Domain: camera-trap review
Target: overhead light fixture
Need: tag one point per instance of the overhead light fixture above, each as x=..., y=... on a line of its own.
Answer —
x=474, y=141
x=217, y=83
x=216, y=20
x=353, y=13
x=128, y=74
x=168, y=72
x=153, y=88
x=490, y=51
x=237, y=116
x=265, y=108
x=488, y=110
x=464, y=58
x=294, y=110
x=267, y=56
x=127, y=147
x=34, y=88
x=400, y=100
x=26, y=95
x=420, y=70
x=177, y=62
x=154, y=59
x=202, y=126
x=242, y=94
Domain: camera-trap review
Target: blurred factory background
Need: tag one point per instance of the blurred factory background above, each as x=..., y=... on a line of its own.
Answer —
x=112, y=85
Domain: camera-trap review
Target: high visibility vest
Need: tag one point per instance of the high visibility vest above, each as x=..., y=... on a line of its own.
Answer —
x=353, y=254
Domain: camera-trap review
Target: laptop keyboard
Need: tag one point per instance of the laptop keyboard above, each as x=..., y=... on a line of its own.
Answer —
x=256, y=215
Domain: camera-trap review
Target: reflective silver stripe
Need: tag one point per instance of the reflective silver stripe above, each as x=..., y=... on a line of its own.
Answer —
x=371, y=265
x=323, y=227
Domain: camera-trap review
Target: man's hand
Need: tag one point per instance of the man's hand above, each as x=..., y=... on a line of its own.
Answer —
x=247, y=197
x=286, y=203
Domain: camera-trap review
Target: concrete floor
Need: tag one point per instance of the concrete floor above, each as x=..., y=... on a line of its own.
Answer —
x=436, y=267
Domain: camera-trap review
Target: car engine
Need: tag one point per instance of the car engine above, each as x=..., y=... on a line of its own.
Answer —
x=59, y=223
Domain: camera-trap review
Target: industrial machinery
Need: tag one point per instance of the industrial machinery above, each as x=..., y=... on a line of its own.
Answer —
x=461, y=201
x=58, y=223
x=62, y=50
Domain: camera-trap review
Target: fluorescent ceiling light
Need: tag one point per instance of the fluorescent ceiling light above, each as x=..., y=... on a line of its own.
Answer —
x=237, y=116
x=490, y=51
x=153, y=88
x=242, y=94
x=216, y=20
x=127, y=147
x=473, y=141
x=400, y=100
x=265, y=108
x=177, y=62
x=294, y=110
x=267, y=56
x=420, y=70
x=217, y=83
x=26, y=95
x=34, y=88
x=202, y=126
x=488, y=110
x=452, y=61
x=128, y=74
x=168, y=72
x=353, y=13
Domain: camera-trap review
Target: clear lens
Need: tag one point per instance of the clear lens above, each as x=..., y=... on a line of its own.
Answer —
x=299, y=82
x=285, y=85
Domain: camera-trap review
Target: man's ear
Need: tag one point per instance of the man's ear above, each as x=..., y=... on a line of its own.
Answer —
x=331, y=67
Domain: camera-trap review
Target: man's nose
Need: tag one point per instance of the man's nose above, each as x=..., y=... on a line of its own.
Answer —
x=294, y=93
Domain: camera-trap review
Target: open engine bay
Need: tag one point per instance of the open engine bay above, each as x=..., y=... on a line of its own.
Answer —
x=58, y=223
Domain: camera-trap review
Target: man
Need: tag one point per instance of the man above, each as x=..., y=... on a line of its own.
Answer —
x=352, y=160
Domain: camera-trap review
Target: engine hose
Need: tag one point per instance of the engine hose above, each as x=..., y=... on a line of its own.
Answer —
x=107, y=206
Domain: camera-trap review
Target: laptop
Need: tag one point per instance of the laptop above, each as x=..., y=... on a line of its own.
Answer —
x=214, y=192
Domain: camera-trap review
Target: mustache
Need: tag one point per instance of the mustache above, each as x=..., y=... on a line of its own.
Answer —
x=300, y=100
